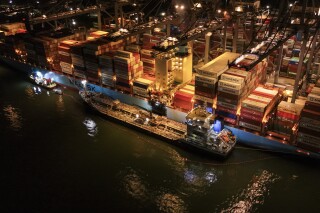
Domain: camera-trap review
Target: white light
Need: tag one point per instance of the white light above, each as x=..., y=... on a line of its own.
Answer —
x=290, y=5
x=182, y=7
x=268, y=6
x=177, y=6
x=163, y=13
x=84, y=82
x=71, y=8
x=39, y=74
x=219, y=11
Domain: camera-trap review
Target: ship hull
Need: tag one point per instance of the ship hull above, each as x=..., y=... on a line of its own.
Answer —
x=243, y=137
x=207, y=152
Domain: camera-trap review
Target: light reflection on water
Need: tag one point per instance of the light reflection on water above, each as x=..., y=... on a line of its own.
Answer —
x=91, y=127
x=13, y=115
x=170, y=203
x=29, y=92
x=250, y=198
x=60, y=104
x=134, y=185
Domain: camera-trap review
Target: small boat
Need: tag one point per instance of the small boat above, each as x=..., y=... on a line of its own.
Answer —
x=41, y=81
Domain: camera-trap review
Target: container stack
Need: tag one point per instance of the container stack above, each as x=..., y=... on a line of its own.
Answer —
x=255, y=109
x=91, y=51
x=30, y=51
x=148, y=62
x=106, y=68
x=40, y=51
x=235, y=85
x=309, y=125
x=293, y=66
x=12, y=47
x=13, y=28
x=183, y=98
x=148, y=41
x=142, y=87
x=207, y=77
x=287, y=118
x=64, y=55
x=78, y=62
x=231, y=91
x=205, y=90
x=127, y=66
x=45, y=50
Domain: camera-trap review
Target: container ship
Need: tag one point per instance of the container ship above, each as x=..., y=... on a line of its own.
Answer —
x=132, y=69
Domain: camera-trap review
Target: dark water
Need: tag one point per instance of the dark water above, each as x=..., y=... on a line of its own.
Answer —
x=58, y=156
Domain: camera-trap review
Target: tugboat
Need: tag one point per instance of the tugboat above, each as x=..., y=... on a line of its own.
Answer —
x=205, y=131
x=38, y=79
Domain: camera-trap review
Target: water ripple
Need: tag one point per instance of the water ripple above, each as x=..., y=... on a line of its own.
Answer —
x=13, y=116
x=250, y=198
x=170, y=203
x=133, y=184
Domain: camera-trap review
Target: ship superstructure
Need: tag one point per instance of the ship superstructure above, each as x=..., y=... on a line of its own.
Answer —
x=208, y=133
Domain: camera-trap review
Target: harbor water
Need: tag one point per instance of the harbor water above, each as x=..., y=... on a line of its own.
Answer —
x=59, y=156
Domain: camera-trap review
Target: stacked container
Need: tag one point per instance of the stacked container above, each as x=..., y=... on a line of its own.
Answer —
x=287, y=117
x=91, y=51
x=183, y=98
x=148, y=41
x=106, y=68
x=30, y=51
x=142, y=87
x=207, y=77
x=293, y=66
x=309, y=125
x=78, y=62
x=12, y=47
x=127, y=66
x=231, y=91
x=64, y=55
x=235, y=85
x=255, y=109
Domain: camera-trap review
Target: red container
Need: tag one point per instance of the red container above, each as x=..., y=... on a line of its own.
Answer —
x=288, y=116
x=252, y=116
x=232, y=111
x=228, y=95
x=310, y=114
x=250, y=121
